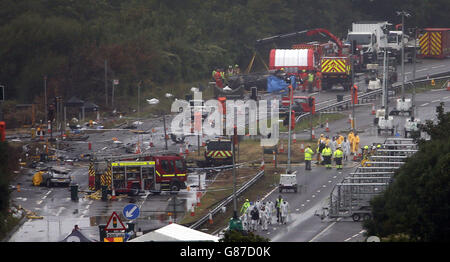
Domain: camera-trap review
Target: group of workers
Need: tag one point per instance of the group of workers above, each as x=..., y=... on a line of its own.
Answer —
x=221, y=76
x=310, y=79
x=261, y=214
x=338, y=148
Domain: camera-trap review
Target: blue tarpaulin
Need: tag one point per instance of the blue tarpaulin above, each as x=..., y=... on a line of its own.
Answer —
x=275, y=84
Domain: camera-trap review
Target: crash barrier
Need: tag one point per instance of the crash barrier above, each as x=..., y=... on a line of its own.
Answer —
x=351, y=197
x=364, y=98
x=213, y=212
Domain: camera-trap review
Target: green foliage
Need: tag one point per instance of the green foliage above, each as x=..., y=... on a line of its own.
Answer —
x=161, y=42
x=416, y=206
x=236, y=236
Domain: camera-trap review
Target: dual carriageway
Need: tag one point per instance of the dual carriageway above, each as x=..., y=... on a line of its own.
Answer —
x=60, y=213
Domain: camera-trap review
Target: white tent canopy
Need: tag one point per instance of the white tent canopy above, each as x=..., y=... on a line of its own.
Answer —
x=175, y=232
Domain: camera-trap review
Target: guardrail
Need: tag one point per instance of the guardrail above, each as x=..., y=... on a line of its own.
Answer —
x=365, y=97
x=228, y=200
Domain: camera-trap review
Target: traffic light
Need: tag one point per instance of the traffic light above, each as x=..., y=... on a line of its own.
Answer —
x=114, y=222
x=354, y=47
x=2, y=131
x=51, y=112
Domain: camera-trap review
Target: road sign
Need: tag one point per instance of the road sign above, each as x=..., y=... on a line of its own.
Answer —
x=131, y=211
x=113, y=223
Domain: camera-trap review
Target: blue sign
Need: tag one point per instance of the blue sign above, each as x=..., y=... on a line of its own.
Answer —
x=131, y=211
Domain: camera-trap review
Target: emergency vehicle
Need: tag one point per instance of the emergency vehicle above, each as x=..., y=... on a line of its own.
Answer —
x=301, y=105
x=147, y=173
x=217, y=152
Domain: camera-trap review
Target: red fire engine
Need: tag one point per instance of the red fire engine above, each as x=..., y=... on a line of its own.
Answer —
x=138, y=174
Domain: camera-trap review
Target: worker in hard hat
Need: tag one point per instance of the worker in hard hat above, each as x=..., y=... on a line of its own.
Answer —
x=327, y=154
x=219, y=77
x=230, y=71
x=308, y=157
x=351, y=137
x=320, y=147
x=245, y=206
x=237, y=70
x=338, y=155
x=345, y=148
x=310, y=82
x=356, y=144
x=318, y=80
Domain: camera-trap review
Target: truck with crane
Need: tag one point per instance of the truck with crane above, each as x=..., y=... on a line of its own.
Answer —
x=332, y=59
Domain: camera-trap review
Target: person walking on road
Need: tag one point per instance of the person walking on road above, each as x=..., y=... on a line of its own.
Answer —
x=270, y=211
x=346, y=148
x=355, y=148
x=254, y=214
x=351, y=137
x=245, y=206
x=308, y=157
x=284, y=212
x=333, y=144
x=338, y=154
x=320, y=147
x=278, y=207
x=264, y=218
x=326, y=153
x=310, y=82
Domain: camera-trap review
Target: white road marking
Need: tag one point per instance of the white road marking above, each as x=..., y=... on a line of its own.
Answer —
x=348, y=239
x=425, y=104
x=434, y=67
x=313, y=196
x=323, y=231
x=434, y=101
x=424, y=69
x=60, y=210
x=39, y=202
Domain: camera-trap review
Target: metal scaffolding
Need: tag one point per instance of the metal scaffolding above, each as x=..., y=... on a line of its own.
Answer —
x=351, y=197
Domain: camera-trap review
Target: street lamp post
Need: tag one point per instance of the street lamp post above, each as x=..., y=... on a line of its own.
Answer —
x=45, y=98
x=403, y=14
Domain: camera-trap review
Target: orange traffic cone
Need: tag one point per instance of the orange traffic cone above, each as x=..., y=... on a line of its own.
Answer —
x=113, y=194
x=327, y=129
x=18, y=187
x=373, y=109
x=199, y=196
x=192, y=210
x=350, y=118
x=138, y=148
x=294, y=139
x=262, y=164
x=281, y=149
x=302, y=148
x=187, y=149
x=313, y=136
x=448, y=85
x=210, y=219
x=181, y=151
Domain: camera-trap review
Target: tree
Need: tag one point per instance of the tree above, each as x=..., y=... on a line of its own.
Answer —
x=416, y=205
x=237, y=236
